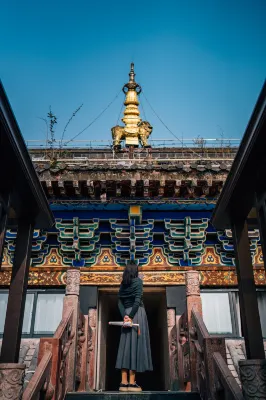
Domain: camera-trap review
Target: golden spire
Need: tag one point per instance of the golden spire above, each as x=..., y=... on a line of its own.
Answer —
x=131, y=114
x=135, y=130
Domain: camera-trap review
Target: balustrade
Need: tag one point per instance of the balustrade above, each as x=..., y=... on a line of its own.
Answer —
x=202, y=357
x=62, y=359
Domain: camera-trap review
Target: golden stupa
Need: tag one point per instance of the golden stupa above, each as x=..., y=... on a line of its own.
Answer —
x=135, y=131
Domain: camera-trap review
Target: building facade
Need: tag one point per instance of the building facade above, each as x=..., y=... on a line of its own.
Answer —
x=133, y=202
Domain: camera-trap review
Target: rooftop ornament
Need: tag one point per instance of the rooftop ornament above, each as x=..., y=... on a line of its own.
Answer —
x=135, y=131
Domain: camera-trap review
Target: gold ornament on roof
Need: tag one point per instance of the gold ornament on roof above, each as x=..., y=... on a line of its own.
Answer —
x=135, y=131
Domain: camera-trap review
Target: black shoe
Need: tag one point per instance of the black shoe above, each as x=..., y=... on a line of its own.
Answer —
x=134, y=388
x=123, y=387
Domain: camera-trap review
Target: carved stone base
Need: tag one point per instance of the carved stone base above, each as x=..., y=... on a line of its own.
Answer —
x=253, y=378
x=11, y=381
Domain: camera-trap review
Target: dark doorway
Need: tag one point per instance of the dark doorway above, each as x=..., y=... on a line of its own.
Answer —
x=108, y=341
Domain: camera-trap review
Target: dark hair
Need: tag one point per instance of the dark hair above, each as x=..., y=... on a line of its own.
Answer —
x=130, y=272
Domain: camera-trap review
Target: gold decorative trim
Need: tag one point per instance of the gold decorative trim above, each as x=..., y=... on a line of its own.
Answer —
x=40, y=276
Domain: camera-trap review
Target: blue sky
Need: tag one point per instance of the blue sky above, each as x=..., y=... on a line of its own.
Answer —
x=201, y=63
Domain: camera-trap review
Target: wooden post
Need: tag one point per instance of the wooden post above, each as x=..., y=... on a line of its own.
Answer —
x=172, y=348
x=17, y=294
x=193, y=303
x=250, y=318
x=71, y=300
x=92, y=339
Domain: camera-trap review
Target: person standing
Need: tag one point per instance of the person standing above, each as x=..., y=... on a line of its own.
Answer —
x=134, y=352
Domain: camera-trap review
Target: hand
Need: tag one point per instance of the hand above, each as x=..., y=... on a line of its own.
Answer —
x=127, y=320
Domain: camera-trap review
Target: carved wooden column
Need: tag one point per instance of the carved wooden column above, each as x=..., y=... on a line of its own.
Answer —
x=71, y=300
x=193, y=302
x=92, y=316
x=193, y=293
x=172, y=343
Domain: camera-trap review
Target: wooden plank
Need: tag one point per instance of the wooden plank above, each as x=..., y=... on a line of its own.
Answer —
x=17, y=294
x=249, y=310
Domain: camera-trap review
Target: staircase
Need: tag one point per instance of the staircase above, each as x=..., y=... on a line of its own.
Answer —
x=66, y=360
x=133, y=396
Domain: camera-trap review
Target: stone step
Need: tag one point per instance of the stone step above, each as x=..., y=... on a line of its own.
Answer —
x=133, y=396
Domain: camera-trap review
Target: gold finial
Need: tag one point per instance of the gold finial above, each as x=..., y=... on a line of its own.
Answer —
x=132, y=73
x=131, y=113
x=135, y=130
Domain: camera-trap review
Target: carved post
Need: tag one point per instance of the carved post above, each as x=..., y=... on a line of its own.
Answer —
x=253, y=379
x=50, y=188
x=193, y=302
x=182, y=355
x=76, y=187
x=172, y=343
x=193, y=293
x=146, y=188
x=177, y=188
x=118, y=189
x=71, y=300
x=133, y=187
x=90, y=187
x=62, y=189
x=161, y=188
x=92, y=317
x=84, y=356
x=11, y=381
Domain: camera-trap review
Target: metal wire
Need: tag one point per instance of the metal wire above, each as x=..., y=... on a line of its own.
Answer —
x=119, y=113
x=94, y=120
x=169, y=130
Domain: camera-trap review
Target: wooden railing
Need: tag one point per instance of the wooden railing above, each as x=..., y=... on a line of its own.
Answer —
x=203, y=361
x=225, y=384
x=51, y=376
x=40, y=382
x=81, y=362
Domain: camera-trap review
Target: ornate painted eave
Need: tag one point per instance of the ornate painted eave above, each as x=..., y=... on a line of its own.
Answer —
x=158, y=271
x=57, y=277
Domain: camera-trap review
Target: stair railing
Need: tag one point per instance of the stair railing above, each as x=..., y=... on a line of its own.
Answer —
x=203, y=356
x=49, y=379
x=63, y=358
x=225, y=384
x=40, y=381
